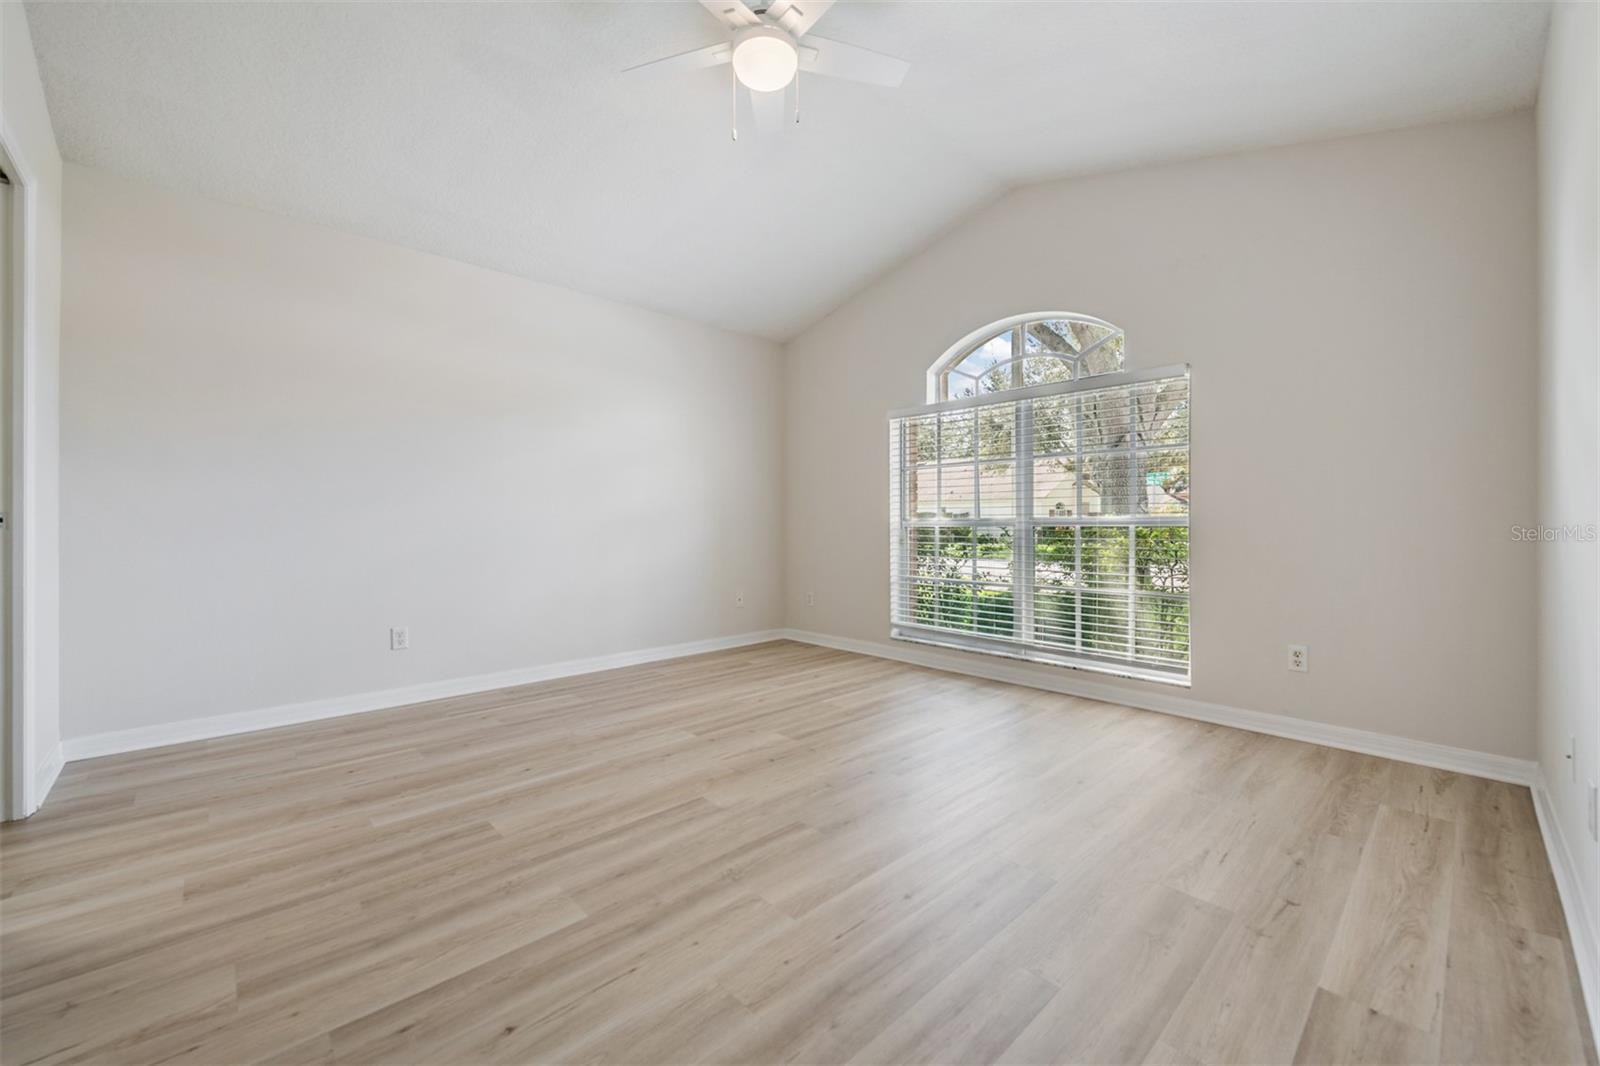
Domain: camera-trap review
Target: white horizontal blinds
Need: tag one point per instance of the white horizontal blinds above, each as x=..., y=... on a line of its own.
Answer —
x=1052, y=525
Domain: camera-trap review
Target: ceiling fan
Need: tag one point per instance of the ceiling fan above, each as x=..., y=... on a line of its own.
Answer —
x=766, y=52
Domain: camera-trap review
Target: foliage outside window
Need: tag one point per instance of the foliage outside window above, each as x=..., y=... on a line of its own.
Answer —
x=1052, y=524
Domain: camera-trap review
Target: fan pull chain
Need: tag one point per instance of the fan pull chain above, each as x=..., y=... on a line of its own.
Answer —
x=733, y=83
x=797, y=96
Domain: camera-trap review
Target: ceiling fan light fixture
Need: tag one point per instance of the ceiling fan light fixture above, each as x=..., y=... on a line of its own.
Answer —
x=765, y=59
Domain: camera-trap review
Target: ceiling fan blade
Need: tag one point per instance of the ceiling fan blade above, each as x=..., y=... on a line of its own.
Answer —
x=797, y=16
x=835, y=60
x=712, y=55
x=734, y=14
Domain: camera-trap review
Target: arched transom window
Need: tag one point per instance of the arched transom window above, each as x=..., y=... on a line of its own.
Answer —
x=1025, y=351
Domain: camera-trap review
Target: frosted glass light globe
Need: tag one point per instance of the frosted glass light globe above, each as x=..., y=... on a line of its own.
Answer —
x=765, y=60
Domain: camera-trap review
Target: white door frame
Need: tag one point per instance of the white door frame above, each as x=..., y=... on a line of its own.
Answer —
x=23, y=799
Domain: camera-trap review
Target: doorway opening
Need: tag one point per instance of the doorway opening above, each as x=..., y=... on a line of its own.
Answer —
x=18, y=789
x=8, y=449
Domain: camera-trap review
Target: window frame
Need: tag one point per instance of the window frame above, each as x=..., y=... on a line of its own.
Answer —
x=1024, y=524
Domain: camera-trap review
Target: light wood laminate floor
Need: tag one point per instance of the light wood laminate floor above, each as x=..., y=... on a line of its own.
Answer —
x=778, y=853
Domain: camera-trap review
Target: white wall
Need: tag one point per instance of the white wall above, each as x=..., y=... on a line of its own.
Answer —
x=1360, y=317
x=280, y=440
x=27, y=131
x=1569, y=443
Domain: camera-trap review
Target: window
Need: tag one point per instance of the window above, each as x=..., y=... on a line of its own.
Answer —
x=1041, y=503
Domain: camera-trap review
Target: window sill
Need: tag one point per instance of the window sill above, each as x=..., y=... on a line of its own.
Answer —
x=1027, y=654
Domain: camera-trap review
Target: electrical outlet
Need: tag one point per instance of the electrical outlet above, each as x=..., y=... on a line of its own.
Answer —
x=811, y=599
x=1299, y=658
x=399, y=638
x=1594, y=812
x=738, y=598
x=1572, y=758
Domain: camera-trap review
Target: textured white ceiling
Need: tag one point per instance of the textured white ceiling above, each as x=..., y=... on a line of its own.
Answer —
x=504, y=134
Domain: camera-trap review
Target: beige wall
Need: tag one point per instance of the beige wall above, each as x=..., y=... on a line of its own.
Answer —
x=1360, y=318
x=1569, y=444
x=28, y=132
x=281, y=440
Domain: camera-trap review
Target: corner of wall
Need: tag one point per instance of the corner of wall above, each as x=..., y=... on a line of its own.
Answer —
x=1568, y=463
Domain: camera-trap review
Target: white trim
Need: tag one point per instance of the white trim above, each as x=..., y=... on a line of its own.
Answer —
x=45, y=776
x=190, y=729
x=28, y=789
x=1403, y=749
x=1580, y=926
x=1095, y=383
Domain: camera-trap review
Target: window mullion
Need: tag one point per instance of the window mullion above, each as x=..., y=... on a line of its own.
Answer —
x=901, y=533
x=1133, y=610
x=1021, y=493
x=1077, y=512
x=1022, y=548
x=975, y=440
x=938, y=509
x=1135, y=490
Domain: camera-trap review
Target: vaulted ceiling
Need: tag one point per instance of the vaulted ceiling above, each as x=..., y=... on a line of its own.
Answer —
x=506, y=134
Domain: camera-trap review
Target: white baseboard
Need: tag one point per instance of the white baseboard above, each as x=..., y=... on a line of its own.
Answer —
x=44, y=778
x=1577, y=908
x=1073, y=683
x=1444, y=757
x=157, y=736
